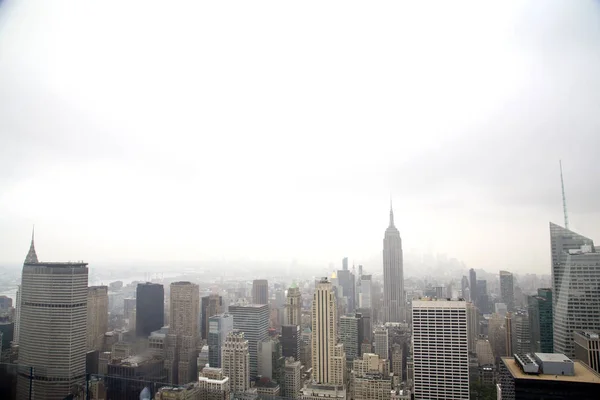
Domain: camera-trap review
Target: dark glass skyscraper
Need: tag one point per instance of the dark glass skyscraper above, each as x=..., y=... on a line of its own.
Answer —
x=150, y=308
x=290, y=341
x=540, y=320
x=507, y=292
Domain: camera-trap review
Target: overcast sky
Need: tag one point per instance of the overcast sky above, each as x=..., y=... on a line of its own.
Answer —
x=183, y=131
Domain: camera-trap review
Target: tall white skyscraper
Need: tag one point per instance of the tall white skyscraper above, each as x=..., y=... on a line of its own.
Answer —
x=440, y=350
x=52, y=336
x=575, y=287
x=364, y=296
x=382, y=342
x=324, y=334
x=394, y=303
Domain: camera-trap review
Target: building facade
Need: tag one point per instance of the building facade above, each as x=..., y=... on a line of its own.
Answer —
x=236, y=361
x=97, y=316
x=290, y=341
x=253, y=320
x=575, y=286
x=507, y=290
x=539, y=308
x=381, y=342
x=260, y=291
x=440, y=350
x=394, y=302
x=210, y=305
x=293, y=306
x=324, y=333
x=219, y=327
x=183, y=336
x=53, y=327
x=150, y=308
x=587, y=348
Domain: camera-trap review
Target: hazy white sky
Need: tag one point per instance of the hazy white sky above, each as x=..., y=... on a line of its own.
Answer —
x=274, y=130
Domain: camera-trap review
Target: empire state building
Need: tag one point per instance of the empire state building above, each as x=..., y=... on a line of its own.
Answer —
x=394, y=302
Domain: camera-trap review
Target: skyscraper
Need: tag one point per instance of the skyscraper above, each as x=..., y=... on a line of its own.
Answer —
x=293, y=306
x=290, y=341
x=219, y=327
x=349, y=335
x=53, y=326
x=575, y=287
x=260, y=291
x=324, y=332
x=347, y=282
x=211, y=305
x=522, y=339
x=540, y=321
x=182, y=339
x=366, y=288
x=382, y=342
x=440, y=353
x=464, y=289
x=507, y=292
x=253, y=320
x=393, y=274
x=97, y=316
x=150, y=308
x=236, y=361
x=473, y=286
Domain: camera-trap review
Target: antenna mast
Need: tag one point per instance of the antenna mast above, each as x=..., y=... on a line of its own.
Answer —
x=564, y=199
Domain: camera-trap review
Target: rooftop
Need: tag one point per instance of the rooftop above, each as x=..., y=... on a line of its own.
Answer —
x=68, y=264
x=553, y=357
x=589, y=334
x=582, y=372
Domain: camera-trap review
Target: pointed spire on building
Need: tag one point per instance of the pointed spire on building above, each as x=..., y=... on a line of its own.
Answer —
x=31, y=255
x=391, y=212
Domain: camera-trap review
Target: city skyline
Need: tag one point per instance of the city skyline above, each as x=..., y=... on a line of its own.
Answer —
x=451, y=143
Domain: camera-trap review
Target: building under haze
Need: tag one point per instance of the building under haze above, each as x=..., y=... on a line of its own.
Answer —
x=253, y=320
x=540, y=321
x=97, y=316
x=219, y=327
x=440, y=350
x=575, y=287
x=150, y=308
x=293, y=306
x=53, y=327
x=473, y=286
x=260, y=291
x=235, y=360
x=210, y=305
x=183, y=336
x=394, y=303
x=507, y=291
x=325, y=352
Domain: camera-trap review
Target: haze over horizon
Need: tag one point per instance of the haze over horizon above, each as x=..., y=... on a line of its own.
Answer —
x=212, y=132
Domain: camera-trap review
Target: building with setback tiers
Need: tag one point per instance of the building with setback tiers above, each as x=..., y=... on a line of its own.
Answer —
x=394, y=302
x=293, y=306
x=53, y=327
x=326, y=354
x=236, y=361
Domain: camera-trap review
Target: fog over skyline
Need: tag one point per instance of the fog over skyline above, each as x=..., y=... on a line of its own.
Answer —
x=273, y=131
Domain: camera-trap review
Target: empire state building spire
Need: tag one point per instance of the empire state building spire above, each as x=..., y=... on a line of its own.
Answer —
x=31, y=255
x=391, y=213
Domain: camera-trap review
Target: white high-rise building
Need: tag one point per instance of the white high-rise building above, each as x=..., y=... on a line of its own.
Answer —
x=52, y=336
x=235, y=361
x=17, y=316
x=440, y=350
x=394, y=302
x=324, y=334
